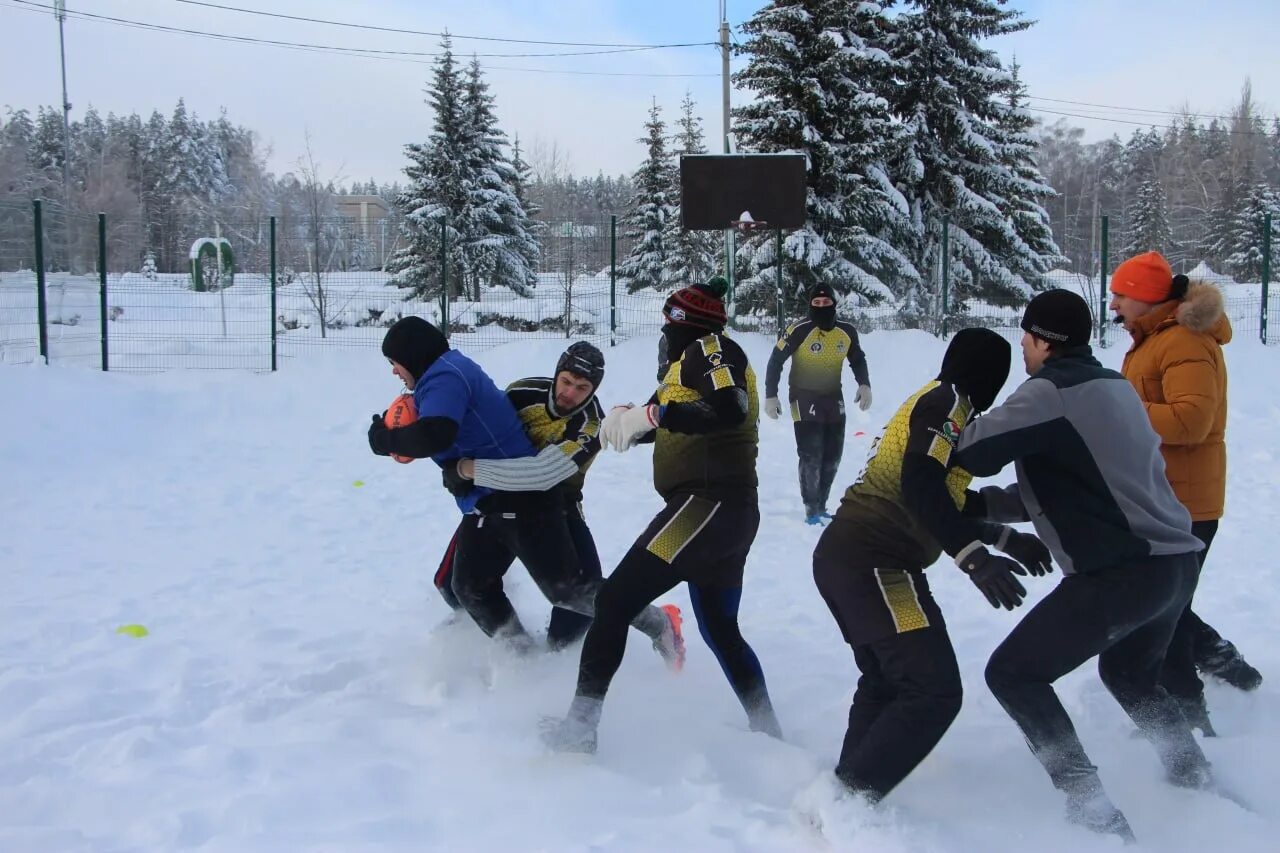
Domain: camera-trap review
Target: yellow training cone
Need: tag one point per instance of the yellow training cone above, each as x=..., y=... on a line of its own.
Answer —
x=132, y=630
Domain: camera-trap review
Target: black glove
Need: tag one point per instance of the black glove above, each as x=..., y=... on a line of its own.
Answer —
x=1027, y=549
x=378, y=436
x=994, y=575
x=457, y=484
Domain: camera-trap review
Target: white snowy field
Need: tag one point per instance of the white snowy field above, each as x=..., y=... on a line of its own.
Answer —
x=297, y=691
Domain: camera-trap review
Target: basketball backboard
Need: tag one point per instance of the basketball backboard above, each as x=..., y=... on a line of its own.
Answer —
x=716, y=189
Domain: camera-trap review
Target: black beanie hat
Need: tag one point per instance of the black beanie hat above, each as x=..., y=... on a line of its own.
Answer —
x=977, y=364
x=822, y=289
x=1059, y=317
x=415, y=344
x=584, y=360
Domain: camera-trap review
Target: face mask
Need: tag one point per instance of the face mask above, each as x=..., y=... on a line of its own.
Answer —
x=824, y=317
x=679, y=337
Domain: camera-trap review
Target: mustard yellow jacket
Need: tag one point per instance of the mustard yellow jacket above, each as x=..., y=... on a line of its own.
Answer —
x=1176, y=365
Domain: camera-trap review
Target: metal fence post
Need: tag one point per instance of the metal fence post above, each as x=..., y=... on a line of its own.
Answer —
x=102, y=285
x=946, y=271
x=1266, y=273
x=613, y=280
x=777, y=282
x=444, y=277
x=1102, y=283
x=41, y=307
x=273, y=294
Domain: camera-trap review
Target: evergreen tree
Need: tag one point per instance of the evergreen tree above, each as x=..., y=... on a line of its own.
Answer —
x=437, y=190
x=650, y=210
x=953, y=101
x=499, y=245
x=692, y=256
x=820, y=72
x=1037, y=252
x=523, y=177
x=1146, y=212
x=1243, y=252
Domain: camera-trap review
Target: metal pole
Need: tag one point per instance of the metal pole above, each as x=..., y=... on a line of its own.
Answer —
x=41, y=307
x=102, y=285
x=946, y=271
x=60, y=12
x=444, y=277
x=724, y=120
x=273, y=294
x=1102, y=283
x=777, y=281
x=613, y=280
x=1266, y=273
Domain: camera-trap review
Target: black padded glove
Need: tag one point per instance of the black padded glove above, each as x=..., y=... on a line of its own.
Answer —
x=457, y=484
x=1027, y=549
x=378, y=436
x=993, y=574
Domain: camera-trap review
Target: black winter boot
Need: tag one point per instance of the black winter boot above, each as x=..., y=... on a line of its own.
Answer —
x=1196, y=713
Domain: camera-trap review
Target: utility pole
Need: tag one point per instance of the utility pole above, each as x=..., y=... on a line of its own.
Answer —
x=724, y=92
x=724, y=70
x=60, y=12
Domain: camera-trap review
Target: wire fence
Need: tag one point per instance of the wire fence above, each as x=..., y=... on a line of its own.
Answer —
x=84, y=289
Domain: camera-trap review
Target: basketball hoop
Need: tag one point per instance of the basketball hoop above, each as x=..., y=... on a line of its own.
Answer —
x=745, y=224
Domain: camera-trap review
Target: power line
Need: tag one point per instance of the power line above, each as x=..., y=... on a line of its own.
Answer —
x=1178, y=113
x=1140, y=123
x=426, y=32
x=360, y=51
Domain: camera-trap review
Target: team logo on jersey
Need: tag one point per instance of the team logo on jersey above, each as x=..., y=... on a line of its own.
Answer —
x=715, y=358
x=951, y=430
x=815, y=347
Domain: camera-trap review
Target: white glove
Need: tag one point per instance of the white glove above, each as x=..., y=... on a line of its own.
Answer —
x=624, y=425
x=863, y=397
x=772, y=407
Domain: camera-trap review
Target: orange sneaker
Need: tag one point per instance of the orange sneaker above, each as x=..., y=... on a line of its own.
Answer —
x=671, y=644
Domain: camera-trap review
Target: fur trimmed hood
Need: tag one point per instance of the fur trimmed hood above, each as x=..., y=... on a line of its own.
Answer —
x=1203, y=310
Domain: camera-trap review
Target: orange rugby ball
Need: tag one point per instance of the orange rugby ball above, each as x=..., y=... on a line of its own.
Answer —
x=401, y=413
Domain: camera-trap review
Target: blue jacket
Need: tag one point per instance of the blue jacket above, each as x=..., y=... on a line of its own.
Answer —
x=457, y=388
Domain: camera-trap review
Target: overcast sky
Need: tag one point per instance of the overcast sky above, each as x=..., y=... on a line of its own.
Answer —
x=1146, y=54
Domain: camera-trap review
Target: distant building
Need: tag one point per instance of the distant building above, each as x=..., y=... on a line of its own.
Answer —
x=371, y=216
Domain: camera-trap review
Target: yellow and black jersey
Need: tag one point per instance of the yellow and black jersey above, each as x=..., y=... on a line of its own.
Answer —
x=577, y=433
x=817, y=358
x=928, y=423
x=720, y=463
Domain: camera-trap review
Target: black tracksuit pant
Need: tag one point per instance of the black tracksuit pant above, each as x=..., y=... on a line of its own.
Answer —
x=487, y=545
x=1125, y=616
x=702, y=542
x=1179, y=675
x=909, y=691
x=566, y=627
x=819, y=444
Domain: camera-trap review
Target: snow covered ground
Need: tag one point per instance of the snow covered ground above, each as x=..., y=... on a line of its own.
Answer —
x=297, y=691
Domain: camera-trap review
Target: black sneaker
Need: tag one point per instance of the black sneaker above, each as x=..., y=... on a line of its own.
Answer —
x=1224, y=662
x=1094, y=810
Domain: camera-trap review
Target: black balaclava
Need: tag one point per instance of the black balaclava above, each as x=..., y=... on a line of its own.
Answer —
x=679, y=336
x=824, y=317
x=415, y=344
x=977, y=364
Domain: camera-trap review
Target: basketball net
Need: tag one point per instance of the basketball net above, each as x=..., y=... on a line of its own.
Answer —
x=746, y=224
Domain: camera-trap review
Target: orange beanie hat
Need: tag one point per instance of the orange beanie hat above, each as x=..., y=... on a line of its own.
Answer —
x=1146, y=277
